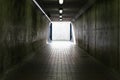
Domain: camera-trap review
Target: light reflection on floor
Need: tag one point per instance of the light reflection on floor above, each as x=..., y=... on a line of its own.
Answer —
x=59, y=61
x=61, y=44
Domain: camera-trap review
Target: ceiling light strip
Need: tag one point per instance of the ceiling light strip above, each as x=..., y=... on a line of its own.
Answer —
x=61, y=19
x=61, y=1
x=60, y=11
x=41, y=9
x=60, y=16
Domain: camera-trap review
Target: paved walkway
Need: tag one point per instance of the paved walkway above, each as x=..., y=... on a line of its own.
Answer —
x=61, y=61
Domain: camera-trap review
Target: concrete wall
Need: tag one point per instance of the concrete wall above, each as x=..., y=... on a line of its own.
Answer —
x=119, y=34
x=98, y=32
x=21, y=23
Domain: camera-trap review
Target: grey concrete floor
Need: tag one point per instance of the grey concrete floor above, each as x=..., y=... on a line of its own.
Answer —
x=61, y=61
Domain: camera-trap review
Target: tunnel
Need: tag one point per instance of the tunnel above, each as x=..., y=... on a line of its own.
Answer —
x=29, y=51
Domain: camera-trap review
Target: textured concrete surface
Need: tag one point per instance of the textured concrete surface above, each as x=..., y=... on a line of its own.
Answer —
x=119, y=34
x=60, y=61
x=21, y=23
x=98, y=32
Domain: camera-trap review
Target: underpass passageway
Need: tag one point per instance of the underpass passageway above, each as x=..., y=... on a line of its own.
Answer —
x=59, y=39
x=60, y=61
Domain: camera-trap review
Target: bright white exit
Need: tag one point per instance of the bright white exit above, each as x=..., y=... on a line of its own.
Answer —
x=60, y=31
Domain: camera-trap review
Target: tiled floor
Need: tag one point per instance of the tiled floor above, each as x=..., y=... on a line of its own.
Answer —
x=61, y=61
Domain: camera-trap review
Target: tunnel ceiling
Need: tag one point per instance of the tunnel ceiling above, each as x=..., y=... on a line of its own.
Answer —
x=71, y=8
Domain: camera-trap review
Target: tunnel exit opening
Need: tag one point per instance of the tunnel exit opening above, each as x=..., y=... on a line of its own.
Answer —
x=61, y=32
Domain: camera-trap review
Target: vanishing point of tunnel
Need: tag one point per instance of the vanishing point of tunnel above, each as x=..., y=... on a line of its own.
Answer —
x=29, y=51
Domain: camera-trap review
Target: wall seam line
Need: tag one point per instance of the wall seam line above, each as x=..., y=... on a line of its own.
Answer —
x=95, y=29
x=118, y=36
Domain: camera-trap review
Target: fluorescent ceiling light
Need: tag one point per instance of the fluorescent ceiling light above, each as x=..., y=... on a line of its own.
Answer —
x=60, y=1
x=60, y=19
x=60, y=16
x=60, y=11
